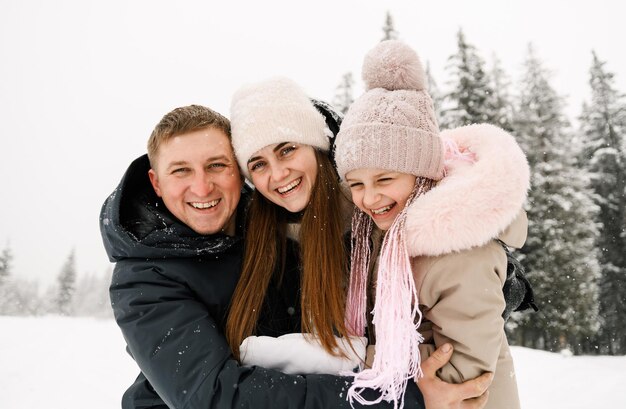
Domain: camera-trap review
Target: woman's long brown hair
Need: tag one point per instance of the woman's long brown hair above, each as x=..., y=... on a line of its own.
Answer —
x=323, y=258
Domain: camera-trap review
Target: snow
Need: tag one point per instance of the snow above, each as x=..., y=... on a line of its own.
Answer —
x=67, y=363
x=62, y=363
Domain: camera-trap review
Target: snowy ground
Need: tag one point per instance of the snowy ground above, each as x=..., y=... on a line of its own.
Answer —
x=71, y=363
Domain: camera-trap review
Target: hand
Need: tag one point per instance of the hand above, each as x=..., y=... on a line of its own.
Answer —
x=438, y=394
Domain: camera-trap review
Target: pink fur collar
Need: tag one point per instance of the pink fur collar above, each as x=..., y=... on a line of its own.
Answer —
x=474, y=202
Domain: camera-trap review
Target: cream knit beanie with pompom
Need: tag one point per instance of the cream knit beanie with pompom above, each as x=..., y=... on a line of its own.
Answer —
x=393, y=125
x=274, y=111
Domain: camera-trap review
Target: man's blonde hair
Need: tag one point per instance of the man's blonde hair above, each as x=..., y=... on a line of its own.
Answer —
x=183, y=120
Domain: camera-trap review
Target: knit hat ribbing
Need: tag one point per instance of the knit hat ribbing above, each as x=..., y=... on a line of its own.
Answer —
x=393, y=125
x=273, y=111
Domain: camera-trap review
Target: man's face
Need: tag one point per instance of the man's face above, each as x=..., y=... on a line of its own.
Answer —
x=197, y=177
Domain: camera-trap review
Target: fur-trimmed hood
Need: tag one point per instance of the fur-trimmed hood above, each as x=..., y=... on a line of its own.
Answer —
x=476, y=201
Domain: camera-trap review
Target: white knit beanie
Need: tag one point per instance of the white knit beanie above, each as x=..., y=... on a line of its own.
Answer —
x=274, y=111
x=393, y=125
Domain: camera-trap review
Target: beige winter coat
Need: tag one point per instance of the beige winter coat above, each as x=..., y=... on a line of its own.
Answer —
x=459, y=268
x=461, y=301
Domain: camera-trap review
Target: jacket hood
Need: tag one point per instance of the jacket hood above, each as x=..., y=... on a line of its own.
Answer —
x=475, y=201
x=134, y=222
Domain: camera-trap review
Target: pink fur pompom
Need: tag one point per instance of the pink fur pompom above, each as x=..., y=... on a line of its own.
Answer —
x=393, y=65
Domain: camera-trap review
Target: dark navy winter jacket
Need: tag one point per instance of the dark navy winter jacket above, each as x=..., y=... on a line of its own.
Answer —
x=170, y=292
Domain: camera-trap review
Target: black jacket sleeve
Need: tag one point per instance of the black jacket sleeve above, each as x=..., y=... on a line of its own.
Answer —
x=184, y=356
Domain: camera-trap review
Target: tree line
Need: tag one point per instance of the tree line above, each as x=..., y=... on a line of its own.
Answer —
x=69, y=295
x=575, y=254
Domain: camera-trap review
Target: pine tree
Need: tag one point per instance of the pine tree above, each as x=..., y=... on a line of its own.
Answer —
x=66, y=286
x=468, y=101
x=20, y=298
x=435, y=93
x=603, y=126
x=559, y=255
x=7, y=296
x=389, y=32
x=500, y=102
x=343, y=94
x=5, y=264
x=91, y=297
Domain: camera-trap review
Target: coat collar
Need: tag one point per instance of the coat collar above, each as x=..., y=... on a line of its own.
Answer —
x=134, y=223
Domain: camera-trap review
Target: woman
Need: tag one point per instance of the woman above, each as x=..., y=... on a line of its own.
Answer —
x=282, y=144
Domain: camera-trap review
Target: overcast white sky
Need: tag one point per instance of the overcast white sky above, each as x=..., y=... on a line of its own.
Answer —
x=83, y=82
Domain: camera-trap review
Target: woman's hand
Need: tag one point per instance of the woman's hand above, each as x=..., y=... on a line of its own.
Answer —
x=438, y=394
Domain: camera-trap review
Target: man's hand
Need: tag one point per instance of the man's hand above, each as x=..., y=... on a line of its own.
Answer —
x=438, y=394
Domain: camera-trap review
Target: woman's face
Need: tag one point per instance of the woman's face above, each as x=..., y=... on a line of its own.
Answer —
x=382, y=194
x=285, y=174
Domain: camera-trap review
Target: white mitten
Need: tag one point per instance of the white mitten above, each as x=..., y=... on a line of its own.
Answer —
x=301, y=354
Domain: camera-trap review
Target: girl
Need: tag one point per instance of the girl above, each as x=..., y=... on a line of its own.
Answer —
x=442, y=202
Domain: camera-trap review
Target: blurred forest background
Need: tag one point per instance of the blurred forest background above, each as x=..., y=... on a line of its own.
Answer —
x=575, y=255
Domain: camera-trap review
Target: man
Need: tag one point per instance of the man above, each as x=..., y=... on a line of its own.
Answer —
x=174, y=226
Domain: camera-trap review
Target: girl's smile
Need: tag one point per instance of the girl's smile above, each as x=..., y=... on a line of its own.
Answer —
x=380, y=193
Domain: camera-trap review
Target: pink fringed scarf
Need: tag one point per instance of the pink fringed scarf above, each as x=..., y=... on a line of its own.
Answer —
x=396, y=315
x=360, y=258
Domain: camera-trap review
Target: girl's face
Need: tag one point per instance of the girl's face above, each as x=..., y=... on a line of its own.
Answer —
x=285, y=174
x=382, y=194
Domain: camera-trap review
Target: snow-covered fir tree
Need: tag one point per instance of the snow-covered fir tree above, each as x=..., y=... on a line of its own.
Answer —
x=559, y=255
x=603, y=130
x=435, y=93
x=6, y=290
x=6, y=257
x=21, y=297
x=18, y=297
x=66, y=281
x=468, y=99
x=500, y=101
x=91, y=297
x=344, y=93
x=389, y=32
